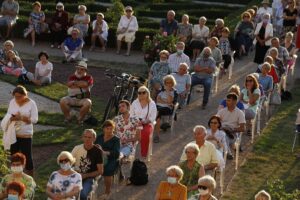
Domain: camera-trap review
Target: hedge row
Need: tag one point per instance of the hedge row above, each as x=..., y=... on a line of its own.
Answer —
x=184, y=6
x=245, y=2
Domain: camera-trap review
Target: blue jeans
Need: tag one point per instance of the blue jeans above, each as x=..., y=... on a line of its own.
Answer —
x=86, y=188
x=206, y=82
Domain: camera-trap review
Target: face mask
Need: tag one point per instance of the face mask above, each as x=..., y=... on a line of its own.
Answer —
x=172, y=180
x=203, y=192
x=65, y=166
x=163, y=61
x=12, y=197
x=265, y=21
x=16, y=169
x=179, y=51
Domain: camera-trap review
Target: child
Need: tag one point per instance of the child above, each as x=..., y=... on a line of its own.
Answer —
x=265, y=79
x=225, y=48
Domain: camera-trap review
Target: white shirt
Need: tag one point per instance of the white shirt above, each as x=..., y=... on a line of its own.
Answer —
x=143, y=113
x=221, y=136
x=104, y=28
x=131, y=23
x=175, y=59
x=231, y=119
x=42, y=70
x=200, y=33
x=30, y=110
x=261, y=11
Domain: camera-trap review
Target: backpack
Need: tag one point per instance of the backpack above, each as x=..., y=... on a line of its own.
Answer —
x=23, y=79
x=139, y=174
x=286, y=95
x=91, y=121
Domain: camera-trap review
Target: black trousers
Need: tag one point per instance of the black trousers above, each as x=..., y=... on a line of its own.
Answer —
x=24, y=146
x=227, y=61
x=58, y=36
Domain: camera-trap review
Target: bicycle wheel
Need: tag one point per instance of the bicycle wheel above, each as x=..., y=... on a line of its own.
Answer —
x=110, y=109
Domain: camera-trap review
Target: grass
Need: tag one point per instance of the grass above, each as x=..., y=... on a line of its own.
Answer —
x=271, y=157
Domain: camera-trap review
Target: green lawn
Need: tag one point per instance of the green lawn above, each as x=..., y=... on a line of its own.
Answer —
x=271, y=157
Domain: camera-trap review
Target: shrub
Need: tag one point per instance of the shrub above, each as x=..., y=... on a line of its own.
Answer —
x=278, y=191
x=115, y=12
x=3, y=162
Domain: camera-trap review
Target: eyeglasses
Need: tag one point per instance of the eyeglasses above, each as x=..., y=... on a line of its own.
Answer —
x=128, y=11
x=202, y=187
x=249, y=80
x=246, y=16
x=144, y=92
x=64, y=161
x=169, y=82
x=212, y=122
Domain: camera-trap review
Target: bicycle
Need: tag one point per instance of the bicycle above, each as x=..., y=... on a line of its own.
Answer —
x=125, y=87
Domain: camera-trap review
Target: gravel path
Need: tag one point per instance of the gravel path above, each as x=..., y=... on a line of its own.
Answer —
x=43, y=103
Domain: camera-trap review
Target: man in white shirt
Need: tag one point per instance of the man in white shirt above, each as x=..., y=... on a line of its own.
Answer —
x=265, y=8
x=233, y=119
x=179, y=57
x=127, y=27
x=208, y=154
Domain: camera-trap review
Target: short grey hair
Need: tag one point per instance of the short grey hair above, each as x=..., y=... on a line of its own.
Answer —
x=219, y=21
x=209, y=181
x=262, y=193
x=184, y=64
x=273, y=49
x=200, y=127
x=171, y=12
x=9, y=42
x=207, y=49
x=193, y=146
x=177, y=170
x=266, y=15
x=90, y=130
x=68, y=155
x=180, y=43
x=185, y=15
x=203, y=18
x=82, y=7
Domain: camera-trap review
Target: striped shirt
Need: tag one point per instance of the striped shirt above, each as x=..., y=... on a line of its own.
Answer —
x=175, y=59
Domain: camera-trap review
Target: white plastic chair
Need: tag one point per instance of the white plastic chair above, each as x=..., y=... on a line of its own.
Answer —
x=171, y=118
x=237, y=145
x=295, y=140
x=230, y=67
x=222, y=173
x=93, y=194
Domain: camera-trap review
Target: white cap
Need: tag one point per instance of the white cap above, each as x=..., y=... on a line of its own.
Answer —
x=60, y=4
x=82, y=64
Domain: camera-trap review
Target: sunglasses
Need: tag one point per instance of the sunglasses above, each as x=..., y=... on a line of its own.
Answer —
x=128, y=11
x=144, y=92
x=64, y=161
x=249, y=80
x=247, y=16
x=202, y=187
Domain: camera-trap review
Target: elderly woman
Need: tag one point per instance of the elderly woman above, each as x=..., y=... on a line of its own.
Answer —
x=206, y=186
x=217, y=136
x=81, y=21
x=192, y=170
x=264, y=9
x=289, y=44
x=266, y=80
x=272, y=72
x=110, y=145
x=236, y=90
x=100, y=31
x=7, y=46
x=165, y=102
x=217, y=29
x=59, y=26
x=183, y=83
x=289, y=17
x=243, y=33
x=263, y=34
x=43, y=70
x=24, y=113
x=172, y=188
x=184, y=30
x=127, y=27
x=36, y=22
x=262, y=195
x=13, y=65
x=64, y=183
x=18, y=161
x=215, y=51
x=144, y=108
x=158, y=71
x=250, y=96
x=15, y=191
x=279, y=66
x=199, y=37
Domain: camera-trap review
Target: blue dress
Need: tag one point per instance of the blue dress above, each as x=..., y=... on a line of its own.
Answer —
x=111, y=163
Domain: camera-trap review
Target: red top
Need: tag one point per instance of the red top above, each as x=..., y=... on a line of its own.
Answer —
x=88, y=78
x=273, y=73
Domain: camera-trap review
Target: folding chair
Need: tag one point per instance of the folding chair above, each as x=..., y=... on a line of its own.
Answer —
x=171, y=118
x=93, y=194
x=222, y=173
x=237, y=145
x=295, y=140
x=230, y=67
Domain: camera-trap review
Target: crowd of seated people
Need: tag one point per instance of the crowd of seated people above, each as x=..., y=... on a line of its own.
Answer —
x=170, y=82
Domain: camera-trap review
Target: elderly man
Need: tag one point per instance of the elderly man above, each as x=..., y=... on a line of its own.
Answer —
x=233, y=119
x=9, y=12
x=126, y=30
x=208, y=154
x=79, y=90
x=89, y=161
x=283, y=53
x=178, y=57
x=215, y=51
x=72, y=47
x=203, y=74
x=169, y=26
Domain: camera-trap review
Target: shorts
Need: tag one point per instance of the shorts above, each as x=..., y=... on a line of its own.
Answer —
x=163, y=111
x=72, y=101
x=128, y=37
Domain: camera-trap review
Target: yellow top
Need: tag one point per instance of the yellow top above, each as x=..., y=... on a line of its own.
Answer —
x=167, y=191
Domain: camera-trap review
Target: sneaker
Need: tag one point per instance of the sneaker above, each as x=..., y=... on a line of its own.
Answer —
x=156, y=139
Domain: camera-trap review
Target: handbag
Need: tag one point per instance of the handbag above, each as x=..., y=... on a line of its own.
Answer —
x=275, y=97
x=124, y=31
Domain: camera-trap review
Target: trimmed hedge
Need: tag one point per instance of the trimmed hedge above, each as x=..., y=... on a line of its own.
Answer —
x=184, y=6
x=245, y=2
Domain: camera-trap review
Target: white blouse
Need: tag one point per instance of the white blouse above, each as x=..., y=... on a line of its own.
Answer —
x=131, y=23
x=149, y=112
x=30, y=110
x=200, y=33
x=221, y=136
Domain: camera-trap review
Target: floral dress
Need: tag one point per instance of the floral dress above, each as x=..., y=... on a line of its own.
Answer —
x=63, y=184
x=190, y=176
x=36, y=21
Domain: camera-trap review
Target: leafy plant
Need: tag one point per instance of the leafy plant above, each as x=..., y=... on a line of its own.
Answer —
x=278, y=191
x=3, y=162
x=115, y=12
